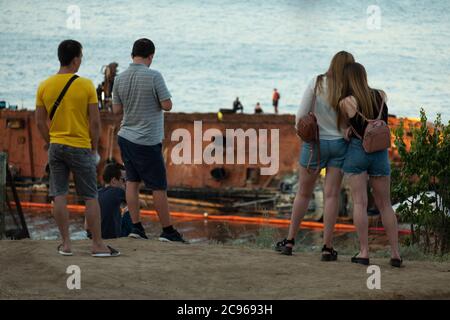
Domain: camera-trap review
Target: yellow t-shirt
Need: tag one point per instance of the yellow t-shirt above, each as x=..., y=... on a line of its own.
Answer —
x=70, y=124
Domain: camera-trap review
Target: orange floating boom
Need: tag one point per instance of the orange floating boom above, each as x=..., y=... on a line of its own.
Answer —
x=304, y=224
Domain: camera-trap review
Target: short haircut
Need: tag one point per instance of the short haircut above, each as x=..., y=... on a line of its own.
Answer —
x=68, y=50
x=112, y=170
x=143, y=48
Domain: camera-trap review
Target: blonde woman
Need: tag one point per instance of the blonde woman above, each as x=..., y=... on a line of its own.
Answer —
x=360, y=103
x=332, y=148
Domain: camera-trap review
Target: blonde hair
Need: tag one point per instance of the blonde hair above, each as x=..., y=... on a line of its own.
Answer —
x=356, y=85
x=335, y=75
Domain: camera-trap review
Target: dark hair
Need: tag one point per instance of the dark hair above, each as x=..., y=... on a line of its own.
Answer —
x=143, y=48
x=68, y=50
x=112, y=170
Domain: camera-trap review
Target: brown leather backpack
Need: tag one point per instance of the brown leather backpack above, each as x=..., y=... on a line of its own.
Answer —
x=308, y=129
x=377, y=135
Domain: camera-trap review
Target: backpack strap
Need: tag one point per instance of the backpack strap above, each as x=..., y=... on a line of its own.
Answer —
x=315, y=144
x=368, y=120
x=381, y=107
x=311, y=153
x=61, y=95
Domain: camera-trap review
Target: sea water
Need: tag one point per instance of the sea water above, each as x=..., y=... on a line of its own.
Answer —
x=210, y=52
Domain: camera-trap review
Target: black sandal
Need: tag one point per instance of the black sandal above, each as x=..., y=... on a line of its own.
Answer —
x=364, y=261
x=279, y=246
x=283, y=249
x=397, y=263
x=332, y=254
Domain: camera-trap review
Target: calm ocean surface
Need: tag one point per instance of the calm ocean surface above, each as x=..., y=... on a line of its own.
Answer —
x=212, y=51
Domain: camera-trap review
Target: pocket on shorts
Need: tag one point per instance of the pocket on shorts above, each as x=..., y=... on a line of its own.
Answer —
x=81, y=159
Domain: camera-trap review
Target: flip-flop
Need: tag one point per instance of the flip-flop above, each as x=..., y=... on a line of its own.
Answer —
x=64, y=253
x=112, y=253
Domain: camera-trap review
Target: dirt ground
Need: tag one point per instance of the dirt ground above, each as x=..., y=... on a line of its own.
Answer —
x=154, y=270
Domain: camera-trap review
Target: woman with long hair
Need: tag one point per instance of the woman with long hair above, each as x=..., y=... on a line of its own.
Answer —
x=360, y=103
x=332, y=149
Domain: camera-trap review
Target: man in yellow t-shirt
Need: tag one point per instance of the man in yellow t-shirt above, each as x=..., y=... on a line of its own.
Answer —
x=72, y=142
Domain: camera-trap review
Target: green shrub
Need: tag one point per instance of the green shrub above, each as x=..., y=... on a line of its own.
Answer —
x=421, y=183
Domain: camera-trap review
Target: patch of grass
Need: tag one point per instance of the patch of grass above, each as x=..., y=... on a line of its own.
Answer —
x=267, y=237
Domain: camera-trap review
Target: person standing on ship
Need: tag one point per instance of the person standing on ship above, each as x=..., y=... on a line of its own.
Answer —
x=275, y=99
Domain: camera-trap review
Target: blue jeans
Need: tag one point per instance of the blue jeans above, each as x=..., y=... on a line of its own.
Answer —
x=332, y=154
x=357, y=161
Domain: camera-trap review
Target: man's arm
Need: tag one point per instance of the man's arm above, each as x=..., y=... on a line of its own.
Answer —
x=162, y=93
x=41, y=122
x=166, y=105
x=94, y=125
x=118, y=109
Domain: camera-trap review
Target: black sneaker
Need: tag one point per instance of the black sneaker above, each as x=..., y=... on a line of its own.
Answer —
x=138, y=232
x=173, y=236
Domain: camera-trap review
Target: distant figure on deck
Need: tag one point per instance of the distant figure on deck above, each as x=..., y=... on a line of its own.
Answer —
x=72, y=142
x=258, y=108
x=275, y=99
x=237, y=105
x=111, y=199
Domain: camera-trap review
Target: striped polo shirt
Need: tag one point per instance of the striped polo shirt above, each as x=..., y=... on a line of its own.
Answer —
x=139, y=90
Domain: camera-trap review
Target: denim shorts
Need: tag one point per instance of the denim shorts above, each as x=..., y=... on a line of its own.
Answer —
x=357, y=161
x=332, y=154
x=62, y=160
x=144, y=163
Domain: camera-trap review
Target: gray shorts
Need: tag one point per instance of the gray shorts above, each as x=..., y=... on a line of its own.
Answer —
x=64, y=159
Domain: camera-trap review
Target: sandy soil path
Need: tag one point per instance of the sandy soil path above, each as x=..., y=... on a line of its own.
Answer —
x=154, y=270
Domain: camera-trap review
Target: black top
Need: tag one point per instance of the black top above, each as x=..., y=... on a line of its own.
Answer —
x=110, y=199
x=360, y=124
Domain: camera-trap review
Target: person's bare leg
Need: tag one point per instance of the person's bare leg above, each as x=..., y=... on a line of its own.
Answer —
x=62, y=220
x=382, y=194
x=306, y=184
x=162, y=207
x=94, y=222
x=132, y=195
x=332, y=190
x=358, y=185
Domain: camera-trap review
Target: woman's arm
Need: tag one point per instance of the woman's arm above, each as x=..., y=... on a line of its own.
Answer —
x=349, y=106
x=305, y=104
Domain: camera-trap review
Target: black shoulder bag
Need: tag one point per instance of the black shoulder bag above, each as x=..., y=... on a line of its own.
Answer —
x=61, y=96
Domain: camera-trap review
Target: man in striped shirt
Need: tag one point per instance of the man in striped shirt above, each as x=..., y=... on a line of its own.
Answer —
x=141, y=96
